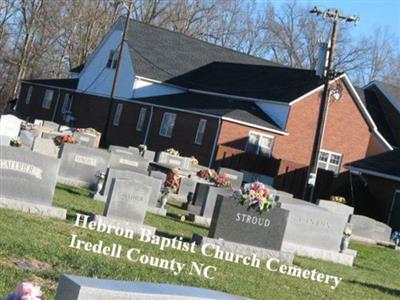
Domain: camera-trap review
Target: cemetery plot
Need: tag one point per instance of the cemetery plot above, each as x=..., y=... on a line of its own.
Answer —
x=28, y=181
x=80, y=164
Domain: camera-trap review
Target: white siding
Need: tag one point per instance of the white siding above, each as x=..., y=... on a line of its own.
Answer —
x=95, y=78
x=277, y=112
x=144, y=88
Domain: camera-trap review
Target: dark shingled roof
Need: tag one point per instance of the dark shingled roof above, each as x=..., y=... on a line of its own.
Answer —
x=173, y=57
x=386, y=163
x=391, y=90
x=66, y=83
x=77, y=69
x=373, y=98
x=245, y=111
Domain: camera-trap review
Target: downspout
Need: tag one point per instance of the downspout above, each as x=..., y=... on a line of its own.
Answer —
x=215, y=143
x=56, y=106
x=148, y=125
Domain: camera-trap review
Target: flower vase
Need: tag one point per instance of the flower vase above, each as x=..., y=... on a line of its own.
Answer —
x=345, y=243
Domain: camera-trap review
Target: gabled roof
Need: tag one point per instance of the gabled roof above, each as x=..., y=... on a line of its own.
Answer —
x=162, y=54
x=239, y=110
x=66, y=83
x=374, y=95
x=77, y=69
x=385, y=165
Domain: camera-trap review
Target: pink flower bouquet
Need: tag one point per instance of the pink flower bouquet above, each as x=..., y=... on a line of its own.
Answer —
x=26, y=291
x=255, y=195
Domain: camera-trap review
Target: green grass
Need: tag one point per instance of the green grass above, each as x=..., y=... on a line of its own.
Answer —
x=375, y=274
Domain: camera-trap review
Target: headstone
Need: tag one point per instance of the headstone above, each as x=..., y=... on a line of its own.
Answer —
x=159, y=175
x=187, y=186
x=10, y=126
x=204, y=192
x=176, y=161
x=149, y=155
x=86, y=139
x=363, y=226
x=50, y=135
x=123, y=150
x=235, y=177
x=27, y=138
x=208, y=206
x=233, y=222
x=5, y=140
x=84, y=288
x=80, y=164
x=46, y=147
x=52, y=126
x=28, y=181
x=337, y=208
x=382, y=232
x=131, y=162
x=155, y=183
x=369, y=230
x=312, y=226
x=38, y=122
x=127, y=200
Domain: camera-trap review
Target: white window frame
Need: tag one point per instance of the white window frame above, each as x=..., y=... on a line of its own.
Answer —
x=47, y=99
x=259, y=146
x=201, y=129
x=29, y=95
x=328, y=162
x=117, y=114
x=167, y=124
x=141, y=119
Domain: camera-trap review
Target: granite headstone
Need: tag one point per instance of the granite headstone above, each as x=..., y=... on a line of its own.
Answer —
x=131, y=162
x=123, y=150
x=80, y=164
x=46, y=147
x=234, y=222
x=176, y=161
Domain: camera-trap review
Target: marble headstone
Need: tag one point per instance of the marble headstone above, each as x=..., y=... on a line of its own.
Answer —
x=127, y=200
x=46, y=147
x=175, y=161
x=28, y=180
x=235, y=177
x=79, y=164
x=10, y=126
x=131, y=162
x=312, y=226
x=83, y=288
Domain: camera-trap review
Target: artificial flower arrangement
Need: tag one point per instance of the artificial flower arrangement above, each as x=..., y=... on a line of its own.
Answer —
x=256, y=196
x=16, y=142
x=339, y=199
x=347, y=231
x=26, y=291
x=61, y=139
x=172, y=182
x=220, y=180
x=194, y=160
x=172, y=151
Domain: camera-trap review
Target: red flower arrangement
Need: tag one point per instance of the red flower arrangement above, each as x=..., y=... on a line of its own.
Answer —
x=220, y=180
x=172, y=182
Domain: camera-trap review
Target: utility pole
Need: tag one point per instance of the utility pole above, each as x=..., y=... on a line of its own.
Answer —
x=335, y=16
x=116, y=74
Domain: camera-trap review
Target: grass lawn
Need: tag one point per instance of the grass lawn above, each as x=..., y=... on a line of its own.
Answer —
x=44, y=243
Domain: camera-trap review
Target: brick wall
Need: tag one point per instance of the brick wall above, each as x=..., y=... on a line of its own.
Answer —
x=346, y=131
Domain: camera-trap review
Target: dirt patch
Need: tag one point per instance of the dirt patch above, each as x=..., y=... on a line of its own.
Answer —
x=26, y=264
x=43, y=283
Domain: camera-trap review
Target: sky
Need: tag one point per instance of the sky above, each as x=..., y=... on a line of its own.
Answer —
x=372, y=13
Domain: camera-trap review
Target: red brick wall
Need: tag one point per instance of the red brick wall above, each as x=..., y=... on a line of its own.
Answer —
x=346, y=131
x=183, y=135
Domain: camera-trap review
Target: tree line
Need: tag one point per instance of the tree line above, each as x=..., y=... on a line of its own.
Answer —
x=45, y=38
